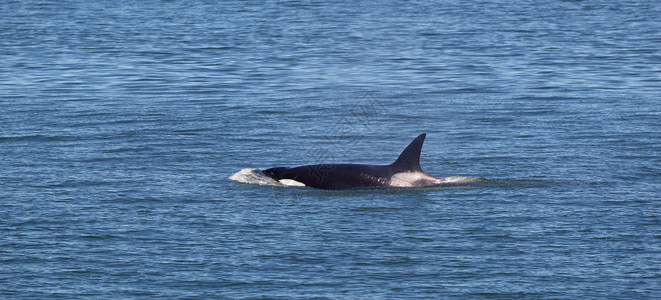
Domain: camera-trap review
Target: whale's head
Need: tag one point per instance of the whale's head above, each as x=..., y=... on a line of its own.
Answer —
x=283, y=175
x=276, y=173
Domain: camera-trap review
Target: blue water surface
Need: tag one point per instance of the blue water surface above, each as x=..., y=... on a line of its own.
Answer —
x=122, y=121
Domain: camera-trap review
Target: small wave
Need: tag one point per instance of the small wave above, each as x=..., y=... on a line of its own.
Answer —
x=253, y=176
x=460, y=179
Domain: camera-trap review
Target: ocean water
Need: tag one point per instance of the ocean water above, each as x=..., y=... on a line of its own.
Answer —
x=121, y=123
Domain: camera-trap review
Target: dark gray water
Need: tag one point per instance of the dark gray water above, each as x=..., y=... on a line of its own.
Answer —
x=122, y=122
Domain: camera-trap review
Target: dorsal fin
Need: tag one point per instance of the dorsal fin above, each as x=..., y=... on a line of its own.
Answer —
x=409, y=160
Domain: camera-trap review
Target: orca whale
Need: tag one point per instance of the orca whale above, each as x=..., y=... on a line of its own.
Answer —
x=405, y=172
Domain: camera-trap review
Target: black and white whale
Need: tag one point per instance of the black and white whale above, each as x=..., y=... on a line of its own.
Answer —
x=405, y=172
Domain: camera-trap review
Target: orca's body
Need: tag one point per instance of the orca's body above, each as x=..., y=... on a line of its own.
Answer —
x=404, y=172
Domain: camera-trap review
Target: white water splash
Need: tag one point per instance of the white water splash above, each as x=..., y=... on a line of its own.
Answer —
x=253, y=176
